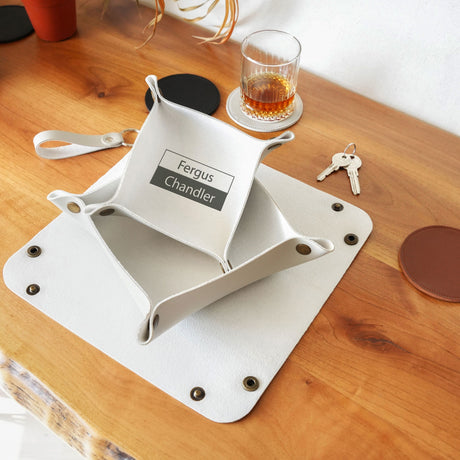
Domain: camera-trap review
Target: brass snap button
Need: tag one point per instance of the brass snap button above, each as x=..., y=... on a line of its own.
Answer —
x=33, y=289
x=303, y=249
x=34, y=251
x=250, y=383
x=197, y=394
x=351, y=239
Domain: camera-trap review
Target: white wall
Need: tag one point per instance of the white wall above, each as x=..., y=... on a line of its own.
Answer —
x=403, y=53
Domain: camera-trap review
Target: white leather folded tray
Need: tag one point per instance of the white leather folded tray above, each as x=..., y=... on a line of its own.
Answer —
x=250, y=332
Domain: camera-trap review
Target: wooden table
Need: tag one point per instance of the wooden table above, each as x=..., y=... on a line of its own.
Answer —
x=377, y=375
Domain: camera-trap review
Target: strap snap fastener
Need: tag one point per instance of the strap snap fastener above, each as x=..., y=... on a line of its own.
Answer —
x=129, y=130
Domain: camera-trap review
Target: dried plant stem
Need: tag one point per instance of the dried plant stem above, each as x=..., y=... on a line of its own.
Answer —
x=221, y=36
x=152, y=25
x=228, y=23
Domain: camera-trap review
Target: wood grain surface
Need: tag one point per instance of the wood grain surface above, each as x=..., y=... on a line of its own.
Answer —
x=376, y=376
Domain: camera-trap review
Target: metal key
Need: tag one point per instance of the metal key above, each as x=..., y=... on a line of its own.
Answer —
x=339, y=160
x=352, y=171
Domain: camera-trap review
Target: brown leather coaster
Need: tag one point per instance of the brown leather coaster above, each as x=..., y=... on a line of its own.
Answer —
x=430, y=259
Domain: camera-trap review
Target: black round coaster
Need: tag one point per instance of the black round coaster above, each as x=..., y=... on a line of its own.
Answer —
x=14, y=23
x=189, y=90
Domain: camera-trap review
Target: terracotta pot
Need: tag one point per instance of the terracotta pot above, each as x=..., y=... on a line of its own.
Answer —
x=53, y=20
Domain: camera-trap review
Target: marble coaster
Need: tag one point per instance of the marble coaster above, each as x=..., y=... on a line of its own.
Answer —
x=237, y=115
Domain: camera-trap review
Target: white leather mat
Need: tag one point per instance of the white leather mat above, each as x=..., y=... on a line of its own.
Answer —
x=248, y=333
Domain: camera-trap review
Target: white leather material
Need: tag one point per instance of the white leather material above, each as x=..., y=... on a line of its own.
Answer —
x=210, y=152
x=222, y=286
x=189, y=176
x=264, y=244
x=250, y=332
x=74, y=144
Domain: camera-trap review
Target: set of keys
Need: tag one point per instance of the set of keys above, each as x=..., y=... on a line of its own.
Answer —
x=349, y=161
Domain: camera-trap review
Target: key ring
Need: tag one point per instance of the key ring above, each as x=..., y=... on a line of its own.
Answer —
x=129, y=130
x=78, y=144
x=354, y=148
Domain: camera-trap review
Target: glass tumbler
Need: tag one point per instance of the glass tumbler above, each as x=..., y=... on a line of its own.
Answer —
x=269, y=71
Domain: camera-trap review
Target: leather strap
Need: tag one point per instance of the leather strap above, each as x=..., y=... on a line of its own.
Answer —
x=76, y=144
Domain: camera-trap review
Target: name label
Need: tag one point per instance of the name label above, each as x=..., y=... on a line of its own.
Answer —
x=193, y=180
